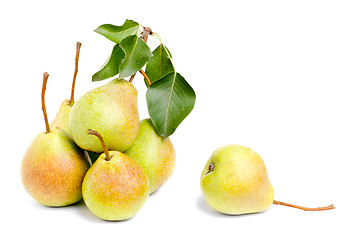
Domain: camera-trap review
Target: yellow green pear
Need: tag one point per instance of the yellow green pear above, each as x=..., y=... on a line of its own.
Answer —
x=154, y=153
x=53, y=166
x=112, y=110
x=115, y=187
x=235, y=181
x=53, y=169
x=61, y=120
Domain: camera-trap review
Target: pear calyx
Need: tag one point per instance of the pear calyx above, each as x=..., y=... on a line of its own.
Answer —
x=211, y=168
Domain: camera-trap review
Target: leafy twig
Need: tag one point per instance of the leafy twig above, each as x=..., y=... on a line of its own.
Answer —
x=145, y=33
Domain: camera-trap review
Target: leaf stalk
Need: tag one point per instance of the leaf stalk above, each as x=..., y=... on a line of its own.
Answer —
x=145, y=77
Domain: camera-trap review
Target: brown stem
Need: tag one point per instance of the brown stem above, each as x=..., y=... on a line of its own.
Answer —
x=131, y=78
x=93, y=132
x=146, y=32
x=304, y=208
x=78, y=45
x=145, y=77
x=45, y=78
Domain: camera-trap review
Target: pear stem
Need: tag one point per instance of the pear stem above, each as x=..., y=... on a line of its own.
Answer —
x=145, y=77
x=78, y=46
x=44, y=85
x=93, y=132
x=304, y=208
x=146, y=32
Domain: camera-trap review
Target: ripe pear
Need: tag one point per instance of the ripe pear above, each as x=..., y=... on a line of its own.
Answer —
x=53, y=169
x=112, y=110
x=115, y=187
x=235, y=181
x=61, y=120
x=154, y=153
x=53, y=166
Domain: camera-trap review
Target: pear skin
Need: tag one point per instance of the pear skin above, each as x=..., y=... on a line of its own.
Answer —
x=116, y=189
x=112, y=110
x=154, y=153
x=235, y=181
x=53, y=169
x=61, y=120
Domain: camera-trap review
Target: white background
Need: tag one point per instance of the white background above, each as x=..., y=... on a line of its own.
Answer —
x=276, y=76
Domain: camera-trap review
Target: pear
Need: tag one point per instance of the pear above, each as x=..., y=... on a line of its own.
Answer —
x=53, y=166
x=115, y=187
x=154, y=153
x=112, y=110
x=61, y=120
x=235, y=181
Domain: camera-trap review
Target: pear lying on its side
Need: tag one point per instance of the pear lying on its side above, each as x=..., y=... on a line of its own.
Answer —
x=235, y=181
x=115, y=187
x=112, y=110
x=154, y=153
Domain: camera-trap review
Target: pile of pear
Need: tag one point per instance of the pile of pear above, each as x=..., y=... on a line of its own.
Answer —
x=113, y=172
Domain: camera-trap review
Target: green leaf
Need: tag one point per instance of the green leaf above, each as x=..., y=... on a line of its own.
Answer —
x=112, y=67
x=169, y=101
x=118, y=33
x=160, y=64
x=137, y=55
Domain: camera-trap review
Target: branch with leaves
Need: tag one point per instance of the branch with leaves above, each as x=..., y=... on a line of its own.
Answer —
x=170, y=98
